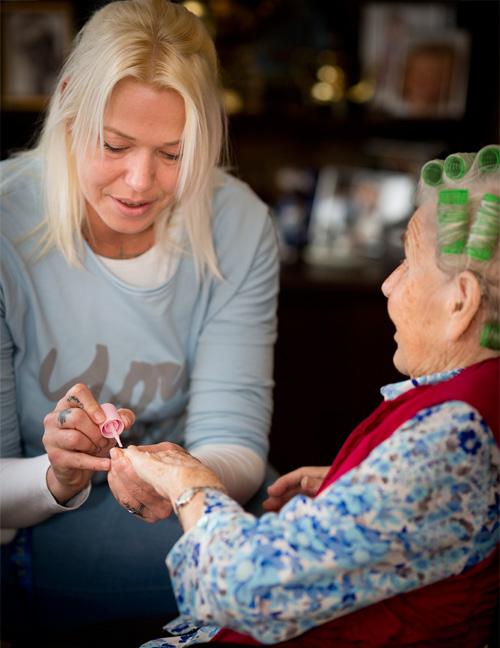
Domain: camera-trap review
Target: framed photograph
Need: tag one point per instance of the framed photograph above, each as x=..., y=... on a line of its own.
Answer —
x=385, y=26
x=428, y=78
x=36, y=37
x=416, y=59
x=352, y=211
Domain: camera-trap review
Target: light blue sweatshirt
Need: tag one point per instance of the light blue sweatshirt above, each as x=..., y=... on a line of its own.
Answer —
x=192, y=358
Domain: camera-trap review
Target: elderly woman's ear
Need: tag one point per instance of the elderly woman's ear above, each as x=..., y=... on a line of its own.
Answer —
x=463, y=305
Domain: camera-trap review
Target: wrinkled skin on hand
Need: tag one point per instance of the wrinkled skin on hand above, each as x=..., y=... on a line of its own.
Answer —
x=167, y=468
x=134, y=489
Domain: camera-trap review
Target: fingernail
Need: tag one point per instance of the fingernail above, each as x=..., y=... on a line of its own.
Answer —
x=126, y=420
x=99, y=417
x=114, y=453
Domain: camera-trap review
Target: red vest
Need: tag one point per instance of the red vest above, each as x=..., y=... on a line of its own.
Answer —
x=454, y=613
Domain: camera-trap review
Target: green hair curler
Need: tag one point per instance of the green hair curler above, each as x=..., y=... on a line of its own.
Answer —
x=488, y=158
x=490, y=336
x=458, y=164
x=453, y=220
x=485, y=229
x=432, y=173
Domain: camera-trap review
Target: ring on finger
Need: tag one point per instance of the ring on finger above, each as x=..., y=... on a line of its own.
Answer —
x=136, y=511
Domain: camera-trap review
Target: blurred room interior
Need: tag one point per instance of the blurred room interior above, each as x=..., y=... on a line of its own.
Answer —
x=333, y=108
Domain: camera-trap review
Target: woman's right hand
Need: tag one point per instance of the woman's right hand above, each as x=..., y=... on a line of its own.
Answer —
x=169, y=469
x=74, y=443
x=302, y=481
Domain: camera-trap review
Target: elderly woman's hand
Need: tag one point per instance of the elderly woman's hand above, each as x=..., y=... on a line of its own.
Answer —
x=154, y=476
x=303, y=481
x=74, y=443
x=135, y=493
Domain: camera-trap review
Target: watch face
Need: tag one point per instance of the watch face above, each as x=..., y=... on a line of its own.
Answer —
x=185, y=497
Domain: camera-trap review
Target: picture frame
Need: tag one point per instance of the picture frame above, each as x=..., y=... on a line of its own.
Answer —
x=36, y=37
x=384, y=26
x=416, y=60
x=352, y=211
x=428, y=77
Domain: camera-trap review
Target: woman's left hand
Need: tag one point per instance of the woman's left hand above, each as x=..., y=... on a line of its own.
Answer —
x=134, y=493
x=302, y=481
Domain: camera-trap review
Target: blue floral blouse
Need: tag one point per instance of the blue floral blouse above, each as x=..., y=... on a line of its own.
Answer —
x=385, y=527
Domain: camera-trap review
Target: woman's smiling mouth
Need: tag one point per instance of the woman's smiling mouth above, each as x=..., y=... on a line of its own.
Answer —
x=132, y=207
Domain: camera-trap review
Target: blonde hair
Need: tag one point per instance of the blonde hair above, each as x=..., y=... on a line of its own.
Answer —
x=460, y=231
x=155, y=42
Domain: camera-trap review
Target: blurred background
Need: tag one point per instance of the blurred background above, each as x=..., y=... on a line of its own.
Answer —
x=334, y=106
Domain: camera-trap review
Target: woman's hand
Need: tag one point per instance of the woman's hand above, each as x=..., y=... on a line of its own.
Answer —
x=303, y=481
x=74, y=443
x=147, y=479
x=132, y=491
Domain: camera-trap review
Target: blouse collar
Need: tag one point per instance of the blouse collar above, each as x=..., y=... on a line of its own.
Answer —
x=392, y=391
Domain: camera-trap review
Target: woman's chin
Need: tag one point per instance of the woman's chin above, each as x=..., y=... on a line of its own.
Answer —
x=399, y=363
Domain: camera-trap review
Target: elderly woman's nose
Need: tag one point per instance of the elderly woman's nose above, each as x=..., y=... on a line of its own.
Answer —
x=140, y=172
x=390, y=281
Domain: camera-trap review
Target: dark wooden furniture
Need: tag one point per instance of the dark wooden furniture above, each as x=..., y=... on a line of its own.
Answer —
x=333, y=354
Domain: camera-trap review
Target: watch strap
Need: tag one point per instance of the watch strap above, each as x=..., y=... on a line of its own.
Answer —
x=186, y=496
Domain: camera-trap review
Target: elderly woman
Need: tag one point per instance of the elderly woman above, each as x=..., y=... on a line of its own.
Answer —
x=398, y=545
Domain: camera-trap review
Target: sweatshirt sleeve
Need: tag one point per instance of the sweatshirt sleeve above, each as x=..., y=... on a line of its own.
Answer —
x=240, y=469
x=10, y=439
x=25, y=499
x=231, y=379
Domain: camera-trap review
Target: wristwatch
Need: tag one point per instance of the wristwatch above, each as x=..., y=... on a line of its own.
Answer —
x=186, y=496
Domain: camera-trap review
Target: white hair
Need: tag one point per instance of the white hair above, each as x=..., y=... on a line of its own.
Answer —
x=155, y=42
x=478, y=184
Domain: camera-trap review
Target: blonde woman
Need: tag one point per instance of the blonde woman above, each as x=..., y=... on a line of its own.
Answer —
x=136, y=272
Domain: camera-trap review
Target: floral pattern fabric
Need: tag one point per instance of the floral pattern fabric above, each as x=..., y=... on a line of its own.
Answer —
x=422, y=507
